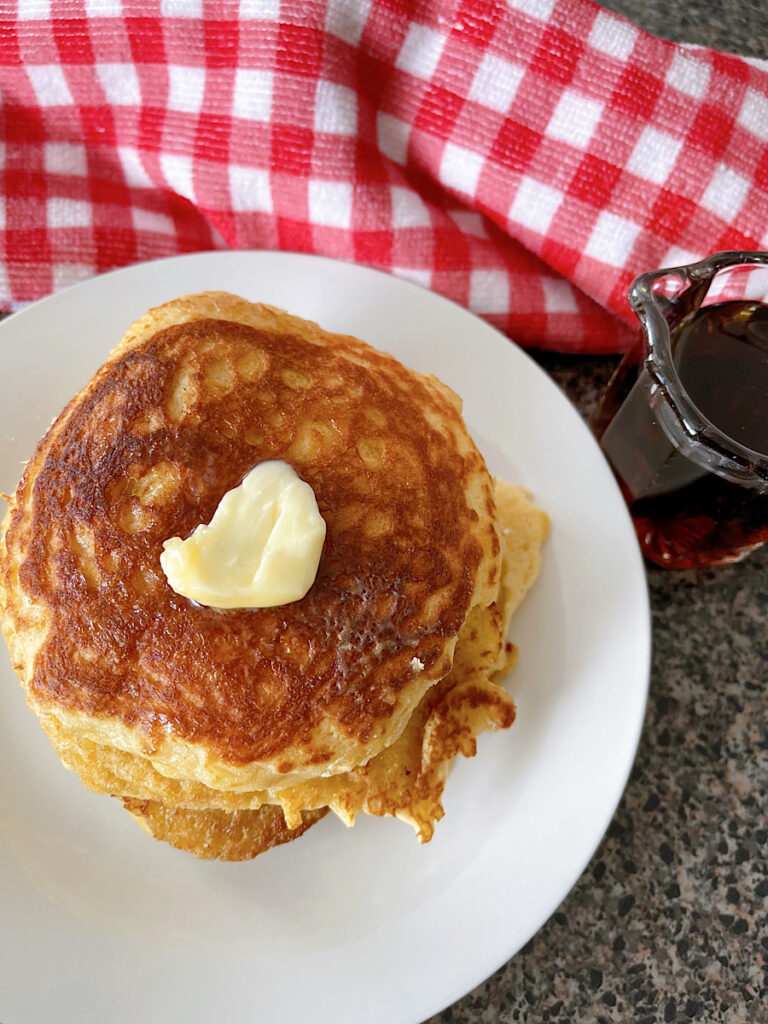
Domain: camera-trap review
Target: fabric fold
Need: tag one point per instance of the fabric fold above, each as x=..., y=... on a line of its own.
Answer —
x=525, y=158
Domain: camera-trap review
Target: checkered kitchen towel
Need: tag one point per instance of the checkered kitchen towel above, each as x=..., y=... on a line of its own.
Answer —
x=524, y=157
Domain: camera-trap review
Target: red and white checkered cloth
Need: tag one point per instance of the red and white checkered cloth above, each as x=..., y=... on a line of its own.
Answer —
x=524, y=157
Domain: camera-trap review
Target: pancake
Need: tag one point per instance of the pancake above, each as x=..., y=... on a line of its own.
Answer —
x=401, y=780
x=199, y=392
x=407, y=778
x=219, y=835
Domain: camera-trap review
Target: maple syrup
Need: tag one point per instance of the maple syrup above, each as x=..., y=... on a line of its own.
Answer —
x=685, y=513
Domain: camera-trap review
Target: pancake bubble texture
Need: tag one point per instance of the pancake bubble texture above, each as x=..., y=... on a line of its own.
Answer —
x=228, y=732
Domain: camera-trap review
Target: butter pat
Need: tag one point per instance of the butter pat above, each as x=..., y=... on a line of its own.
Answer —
x=261, y=549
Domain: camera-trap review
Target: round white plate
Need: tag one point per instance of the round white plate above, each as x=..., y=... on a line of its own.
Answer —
x=98, y=922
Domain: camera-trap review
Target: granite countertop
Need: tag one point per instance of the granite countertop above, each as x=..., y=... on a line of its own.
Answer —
x=669, y=922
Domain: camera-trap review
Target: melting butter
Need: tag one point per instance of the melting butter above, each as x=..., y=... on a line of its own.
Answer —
x=261, y=549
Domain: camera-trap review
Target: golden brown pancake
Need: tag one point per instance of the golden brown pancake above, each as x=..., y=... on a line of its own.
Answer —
x=197, y=393
x=407, y=778
x=219, y=835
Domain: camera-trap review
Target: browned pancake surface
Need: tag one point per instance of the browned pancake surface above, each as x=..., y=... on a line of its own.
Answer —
x=147, y=451
x=219, y=835
x=405, y=779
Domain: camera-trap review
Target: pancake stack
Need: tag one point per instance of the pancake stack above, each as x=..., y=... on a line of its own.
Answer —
x=227, y=732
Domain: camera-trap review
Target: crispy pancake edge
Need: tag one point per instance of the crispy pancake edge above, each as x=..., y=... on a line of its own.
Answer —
x=406, y=779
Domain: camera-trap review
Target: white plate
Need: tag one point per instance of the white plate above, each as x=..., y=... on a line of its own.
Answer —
x=100, y=923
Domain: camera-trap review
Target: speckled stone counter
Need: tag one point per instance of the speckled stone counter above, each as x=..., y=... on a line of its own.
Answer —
x=669, y=923
x=670, y=920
